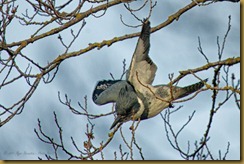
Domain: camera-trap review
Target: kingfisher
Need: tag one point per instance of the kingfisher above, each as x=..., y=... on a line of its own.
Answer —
x=136, y=98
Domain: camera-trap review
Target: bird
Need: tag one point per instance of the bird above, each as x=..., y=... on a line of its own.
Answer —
x=135, y=97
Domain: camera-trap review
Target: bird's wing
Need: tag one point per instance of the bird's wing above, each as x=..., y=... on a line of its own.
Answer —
x=107, y=91
x=141, y=66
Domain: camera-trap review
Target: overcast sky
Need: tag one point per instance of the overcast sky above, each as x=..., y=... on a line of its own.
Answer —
x=173, y=48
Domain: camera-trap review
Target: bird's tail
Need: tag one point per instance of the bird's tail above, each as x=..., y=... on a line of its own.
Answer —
x=185, y=91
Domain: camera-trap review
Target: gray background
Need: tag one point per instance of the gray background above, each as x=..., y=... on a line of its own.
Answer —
x=173, y=48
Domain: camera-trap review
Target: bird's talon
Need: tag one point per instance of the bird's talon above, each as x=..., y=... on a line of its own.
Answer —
x=171, y=105
x=131, y=127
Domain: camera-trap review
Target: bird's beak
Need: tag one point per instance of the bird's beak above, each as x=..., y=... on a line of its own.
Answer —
x=116, y=121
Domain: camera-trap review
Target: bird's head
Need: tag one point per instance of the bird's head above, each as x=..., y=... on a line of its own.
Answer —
x=126, y=105
x=127, y=101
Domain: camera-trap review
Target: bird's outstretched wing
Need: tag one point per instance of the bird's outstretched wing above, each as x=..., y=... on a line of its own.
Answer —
x=107, y=91
x=141, y=64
